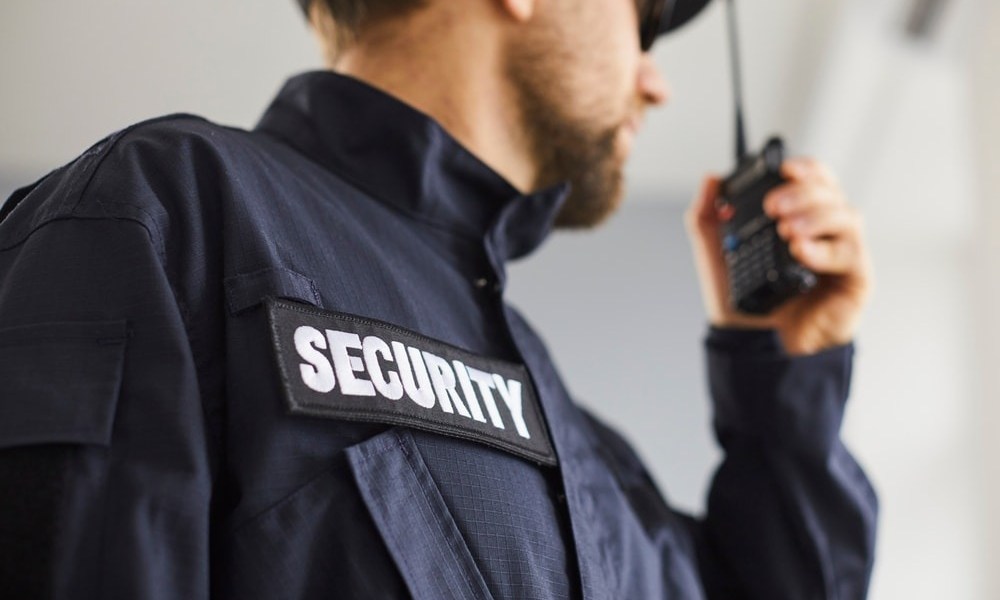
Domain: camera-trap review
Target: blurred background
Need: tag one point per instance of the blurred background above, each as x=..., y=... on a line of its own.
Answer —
x=900, y=97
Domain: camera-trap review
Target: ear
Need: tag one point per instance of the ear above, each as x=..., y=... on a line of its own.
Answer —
x=325, y=32
x=519, y=10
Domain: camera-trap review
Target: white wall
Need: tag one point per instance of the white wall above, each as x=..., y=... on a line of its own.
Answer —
x=893, y=117
x=985, y=77
x=72, y=72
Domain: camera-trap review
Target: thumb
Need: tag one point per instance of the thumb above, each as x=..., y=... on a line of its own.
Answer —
x=702, y=222
x=702, y=215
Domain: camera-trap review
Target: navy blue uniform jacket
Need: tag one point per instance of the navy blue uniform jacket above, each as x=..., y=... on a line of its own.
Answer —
x=278, y=364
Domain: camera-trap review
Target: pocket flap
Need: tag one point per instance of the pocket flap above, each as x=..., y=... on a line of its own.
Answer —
x=413, y=519
x=59, y=382
x=246, y=290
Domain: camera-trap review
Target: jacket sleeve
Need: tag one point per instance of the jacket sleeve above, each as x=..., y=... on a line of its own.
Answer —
x=790, y=514
x=104, y=471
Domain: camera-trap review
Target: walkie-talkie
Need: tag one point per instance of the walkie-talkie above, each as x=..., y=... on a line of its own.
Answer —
x=762, y=273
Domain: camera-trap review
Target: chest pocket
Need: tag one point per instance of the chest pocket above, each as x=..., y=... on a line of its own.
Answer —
x=318, y=542
x=59, y=382
x=412, y=518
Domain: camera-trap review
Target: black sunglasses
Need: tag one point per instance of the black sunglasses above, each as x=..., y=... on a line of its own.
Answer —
x=651, y=14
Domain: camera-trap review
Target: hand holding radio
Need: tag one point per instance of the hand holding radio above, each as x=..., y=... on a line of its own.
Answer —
x=777, y=245
x=824, y=234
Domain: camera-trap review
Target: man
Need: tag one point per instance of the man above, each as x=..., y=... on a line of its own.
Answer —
x=278, y=363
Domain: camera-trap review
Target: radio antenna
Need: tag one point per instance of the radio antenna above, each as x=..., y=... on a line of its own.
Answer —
x=734, y=55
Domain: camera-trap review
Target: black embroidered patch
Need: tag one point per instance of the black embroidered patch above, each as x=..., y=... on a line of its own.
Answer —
x=342, y=366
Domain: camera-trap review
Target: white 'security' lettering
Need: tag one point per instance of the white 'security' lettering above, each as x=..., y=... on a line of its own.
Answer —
x=425, y=378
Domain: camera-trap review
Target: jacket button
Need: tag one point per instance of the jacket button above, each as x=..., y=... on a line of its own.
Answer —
x=481, y=283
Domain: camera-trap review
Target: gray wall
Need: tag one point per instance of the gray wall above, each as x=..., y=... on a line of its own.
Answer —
x=620, y=310
x=11, y=181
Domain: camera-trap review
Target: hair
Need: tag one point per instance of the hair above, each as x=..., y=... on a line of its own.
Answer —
x=345, y=19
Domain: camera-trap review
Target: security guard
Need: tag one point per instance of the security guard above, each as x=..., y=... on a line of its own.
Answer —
x=278, y=363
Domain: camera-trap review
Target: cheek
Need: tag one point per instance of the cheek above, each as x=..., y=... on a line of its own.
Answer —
x=613, y=51
x=608, y=82
x=598, y=60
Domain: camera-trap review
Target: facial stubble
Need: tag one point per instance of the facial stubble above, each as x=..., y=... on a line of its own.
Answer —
x=566, y=147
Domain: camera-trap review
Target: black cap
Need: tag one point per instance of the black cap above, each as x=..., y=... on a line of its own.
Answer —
x=682, y=12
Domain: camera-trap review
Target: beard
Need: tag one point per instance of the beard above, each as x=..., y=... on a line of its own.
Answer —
x=566, y=147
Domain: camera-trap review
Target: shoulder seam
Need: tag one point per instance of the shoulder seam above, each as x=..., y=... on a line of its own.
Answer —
x=153, y=236
x=66, y=208
x=113, y=143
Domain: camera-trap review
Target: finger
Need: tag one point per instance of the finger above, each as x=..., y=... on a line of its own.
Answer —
x=795, y=197
x=826, y=257
x=702, y=211
x=805, y=168
x=821, y=221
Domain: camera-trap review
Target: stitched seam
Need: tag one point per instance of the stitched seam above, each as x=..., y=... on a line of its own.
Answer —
x=446, y=533
x=112, y=144
x=103, y=341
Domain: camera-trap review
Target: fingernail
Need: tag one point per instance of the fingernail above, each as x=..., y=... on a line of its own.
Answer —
x=794, y=168
x=782, y=200
x=770, y=205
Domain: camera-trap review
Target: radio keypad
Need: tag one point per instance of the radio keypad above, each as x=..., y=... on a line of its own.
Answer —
x=752, y=263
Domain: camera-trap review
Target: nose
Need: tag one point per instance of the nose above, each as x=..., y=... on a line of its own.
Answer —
x=652, y=86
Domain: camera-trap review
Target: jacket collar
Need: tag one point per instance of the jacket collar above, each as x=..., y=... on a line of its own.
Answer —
x=401, y=156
